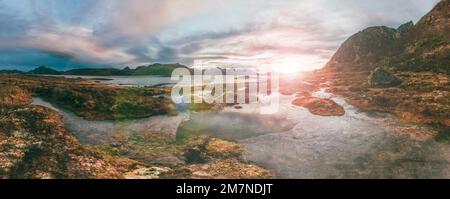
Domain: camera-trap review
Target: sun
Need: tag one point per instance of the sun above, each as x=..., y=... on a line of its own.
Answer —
x=288, y=66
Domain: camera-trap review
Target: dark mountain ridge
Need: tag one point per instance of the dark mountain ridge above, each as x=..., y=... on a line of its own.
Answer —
x=424, y=46
x=154, y=69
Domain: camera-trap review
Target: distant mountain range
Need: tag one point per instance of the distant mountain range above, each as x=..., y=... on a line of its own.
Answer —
x=154, y=69
x=424, y=46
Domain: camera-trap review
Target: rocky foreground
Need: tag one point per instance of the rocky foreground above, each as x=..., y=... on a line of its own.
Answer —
x=34, y=143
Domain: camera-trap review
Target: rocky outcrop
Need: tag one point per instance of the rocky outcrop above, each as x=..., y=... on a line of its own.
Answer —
x=421, y=47
x=95, y=101
x=223, y=149
x=415, y=54
x=405, y=28
x=34, y=143
x=13, y=95
x=320, y=106
x=364, y=50
x=427, y=45
x=382, y=78
x=220, y=159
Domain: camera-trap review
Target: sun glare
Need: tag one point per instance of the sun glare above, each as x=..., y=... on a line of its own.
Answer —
x=288, y=66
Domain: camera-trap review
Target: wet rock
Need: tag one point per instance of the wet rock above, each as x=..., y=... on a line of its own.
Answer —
x=381, y=78
x=320, y=106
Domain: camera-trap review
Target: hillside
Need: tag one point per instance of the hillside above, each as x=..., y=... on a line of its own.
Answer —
x=154, y=69
x=403, y=71
x=424, y=46
x=43, y=70
x=95, y=72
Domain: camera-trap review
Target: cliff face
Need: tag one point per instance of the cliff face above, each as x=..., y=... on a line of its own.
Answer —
x=421, y=47
x=427, y=46
x=364, y=50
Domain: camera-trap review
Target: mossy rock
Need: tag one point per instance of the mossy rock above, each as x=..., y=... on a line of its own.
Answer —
x=218, y=148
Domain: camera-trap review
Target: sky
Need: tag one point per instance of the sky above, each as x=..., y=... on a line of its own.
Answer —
x=284, y=34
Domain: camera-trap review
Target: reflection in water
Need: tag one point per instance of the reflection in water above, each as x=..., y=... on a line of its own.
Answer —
x=133, y=81
x=102, y=132
x=294, y=143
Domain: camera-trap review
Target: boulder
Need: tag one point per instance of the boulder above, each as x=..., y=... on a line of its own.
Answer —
x=381, y=78
x=320, y=106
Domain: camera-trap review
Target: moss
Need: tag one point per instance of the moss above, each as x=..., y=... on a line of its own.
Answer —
x=444, y=134
x=223, y=149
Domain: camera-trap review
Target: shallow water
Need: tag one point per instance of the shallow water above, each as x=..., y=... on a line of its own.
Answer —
x=102, y=132
x=294, y=143
x=133, y=81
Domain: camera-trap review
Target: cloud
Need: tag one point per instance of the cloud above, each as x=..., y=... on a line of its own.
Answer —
x=91, y=33
x=143, y=18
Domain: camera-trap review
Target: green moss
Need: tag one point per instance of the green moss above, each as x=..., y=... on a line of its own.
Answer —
x=444, y=134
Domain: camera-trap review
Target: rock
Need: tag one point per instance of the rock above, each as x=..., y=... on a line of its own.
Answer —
x=363, y=50
x=381, y=78
x=13, y=95
x=170, y=161
x=200, y=174
x=194, y=155
x=320, y=106
x=146, y=173
x=94, y=101
x=35, y=144
x=405, y=28
x=238, y=107
x=228, y=169
x=223, y=149
x=421, y=47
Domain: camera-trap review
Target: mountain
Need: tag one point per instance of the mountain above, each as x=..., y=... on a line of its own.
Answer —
x=424, y=46
x=43, y=70
x=157, y=69
x=95, y=72
x=10, y=71
x=154, y=69
x=427, y=46
x=403, y=71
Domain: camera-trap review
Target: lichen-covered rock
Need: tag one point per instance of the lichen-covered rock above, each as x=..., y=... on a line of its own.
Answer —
x=92, y=100
x=228, y=169
x=35, y=144
x=13, y=95
x=146, y=173
x=382, y=78
x=223, y=149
